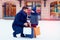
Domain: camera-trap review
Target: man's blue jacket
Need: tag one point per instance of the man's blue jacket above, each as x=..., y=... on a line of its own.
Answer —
x=20, y=19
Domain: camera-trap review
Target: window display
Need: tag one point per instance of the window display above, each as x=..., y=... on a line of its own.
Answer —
x=9, y=10
x=55, y=10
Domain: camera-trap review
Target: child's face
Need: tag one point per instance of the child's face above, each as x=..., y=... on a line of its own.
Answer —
x=38, y=10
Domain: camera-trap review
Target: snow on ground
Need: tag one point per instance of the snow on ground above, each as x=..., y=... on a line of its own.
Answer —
x=50, y=30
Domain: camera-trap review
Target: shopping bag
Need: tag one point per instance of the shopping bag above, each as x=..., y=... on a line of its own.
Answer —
x=36, y=31
x=31, y=35
x=27, y=30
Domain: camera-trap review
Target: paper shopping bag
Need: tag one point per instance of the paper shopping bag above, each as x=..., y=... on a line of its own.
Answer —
x=36, y=30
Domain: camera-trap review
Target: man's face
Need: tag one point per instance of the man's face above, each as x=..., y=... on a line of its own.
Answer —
x=29, y=11
x=26, y=10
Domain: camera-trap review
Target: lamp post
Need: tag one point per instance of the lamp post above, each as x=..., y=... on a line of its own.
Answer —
x=44, y=3
x=20, y=2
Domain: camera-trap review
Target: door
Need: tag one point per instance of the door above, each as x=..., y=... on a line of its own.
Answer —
x=9, y=10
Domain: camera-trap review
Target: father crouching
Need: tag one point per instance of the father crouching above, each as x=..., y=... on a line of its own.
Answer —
x=20, y=22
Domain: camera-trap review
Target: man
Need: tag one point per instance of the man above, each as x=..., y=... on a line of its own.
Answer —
x=20, y=22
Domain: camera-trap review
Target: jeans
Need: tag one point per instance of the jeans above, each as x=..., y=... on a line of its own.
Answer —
x=17, y=30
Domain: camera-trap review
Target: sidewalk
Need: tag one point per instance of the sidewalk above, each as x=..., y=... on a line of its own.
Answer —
x=50, y=30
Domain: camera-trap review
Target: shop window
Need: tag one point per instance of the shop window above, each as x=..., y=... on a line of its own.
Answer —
x=30, y=4
x=9, y=10
x=55, y=10
x=38, y=4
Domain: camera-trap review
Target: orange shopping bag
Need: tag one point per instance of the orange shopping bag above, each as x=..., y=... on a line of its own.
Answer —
x=36, y=31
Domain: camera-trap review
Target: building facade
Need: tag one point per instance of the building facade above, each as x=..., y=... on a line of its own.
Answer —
x=49, y=9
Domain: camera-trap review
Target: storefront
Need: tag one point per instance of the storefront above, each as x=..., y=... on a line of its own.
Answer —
x=55, y=10
x=49, y=9
x=9, y=8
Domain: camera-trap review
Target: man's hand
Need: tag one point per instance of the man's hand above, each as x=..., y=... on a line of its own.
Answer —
x=29, y=24
x=26, y=24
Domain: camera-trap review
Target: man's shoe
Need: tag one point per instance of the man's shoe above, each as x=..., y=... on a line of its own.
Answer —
x=14, y=35
x=22, y=35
